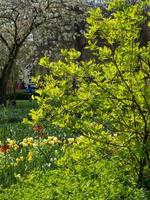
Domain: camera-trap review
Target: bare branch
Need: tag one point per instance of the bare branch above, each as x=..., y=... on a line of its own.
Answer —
x=5, y=42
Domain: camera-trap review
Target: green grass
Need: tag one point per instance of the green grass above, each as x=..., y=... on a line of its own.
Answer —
x=11, y=125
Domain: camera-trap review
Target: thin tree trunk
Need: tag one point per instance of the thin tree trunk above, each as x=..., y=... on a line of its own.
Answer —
x=144, y=159
x=3, y=89
x=140, y=181
x=5, y=76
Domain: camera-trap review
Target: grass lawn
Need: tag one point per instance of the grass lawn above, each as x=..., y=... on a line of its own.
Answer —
x=11, y=125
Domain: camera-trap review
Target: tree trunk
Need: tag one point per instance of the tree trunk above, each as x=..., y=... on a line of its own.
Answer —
x=144, y=161
x=3, y=83
x=140, y=180
x=14, y=90
x=3, y=88
x=5, y=76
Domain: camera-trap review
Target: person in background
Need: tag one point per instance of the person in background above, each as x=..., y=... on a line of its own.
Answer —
x=22, y=85
x=29, y=90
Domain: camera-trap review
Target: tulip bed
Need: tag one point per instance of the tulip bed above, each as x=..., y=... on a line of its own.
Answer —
x=39, y=163
x=24, y=148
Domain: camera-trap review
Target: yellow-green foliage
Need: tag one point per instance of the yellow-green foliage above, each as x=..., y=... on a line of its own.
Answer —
x=108, y=94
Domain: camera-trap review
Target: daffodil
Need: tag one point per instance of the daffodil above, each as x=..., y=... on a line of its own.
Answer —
x=55, y=139
x=17, y=160
x=52, y=142
x=24, y=144
x=27, y=142
x=30, y=156
x=12, y=143
x=50, y=138
x=30, y=141
x=21, y=158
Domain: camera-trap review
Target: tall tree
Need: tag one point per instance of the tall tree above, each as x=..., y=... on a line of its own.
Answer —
x=44, y=26
x=17, y=20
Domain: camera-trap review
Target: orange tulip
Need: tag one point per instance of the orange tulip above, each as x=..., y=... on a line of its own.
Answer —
x=4, y=148
x=38, y=128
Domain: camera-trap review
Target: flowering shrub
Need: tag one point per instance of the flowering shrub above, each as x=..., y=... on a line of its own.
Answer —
x=106, y=94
